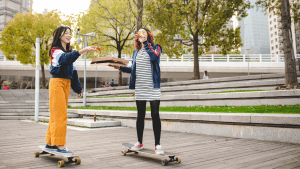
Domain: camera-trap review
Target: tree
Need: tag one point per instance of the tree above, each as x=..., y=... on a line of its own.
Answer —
x=194, y=19
x=19, y=36
x=288, y=11
x=113, y=23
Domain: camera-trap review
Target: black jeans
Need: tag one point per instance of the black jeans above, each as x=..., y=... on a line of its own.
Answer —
x=141, y=108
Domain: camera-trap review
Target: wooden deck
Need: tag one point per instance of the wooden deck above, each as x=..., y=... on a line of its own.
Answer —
x=101, y=148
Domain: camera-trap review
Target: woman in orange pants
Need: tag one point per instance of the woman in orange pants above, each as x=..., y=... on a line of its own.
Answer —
x=64, y=75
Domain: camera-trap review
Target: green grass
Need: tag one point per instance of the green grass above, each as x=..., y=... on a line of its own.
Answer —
x=107, y=97
x=291, y=109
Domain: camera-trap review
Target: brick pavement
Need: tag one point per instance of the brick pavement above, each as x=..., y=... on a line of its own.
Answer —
x=101, y=148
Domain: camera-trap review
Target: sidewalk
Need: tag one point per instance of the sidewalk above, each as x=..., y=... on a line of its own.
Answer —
x=101, y=148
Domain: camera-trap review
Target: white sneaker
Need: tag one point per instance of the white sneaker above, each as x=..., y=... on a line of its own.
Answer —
x=137, y=146
x=158, y=150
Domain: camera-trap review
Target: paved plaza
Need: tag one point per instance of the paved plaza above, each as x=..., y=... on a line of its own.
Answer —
x=101, y=148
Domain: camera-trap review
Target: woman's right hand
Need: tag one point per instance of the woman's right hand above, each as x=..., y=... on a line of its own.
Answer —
x=88, y=49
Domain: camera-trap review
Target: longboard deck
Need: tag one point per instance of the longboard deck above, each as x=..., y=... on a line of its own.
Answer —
x=53, y=151
x=172, y=156
x=148, y=151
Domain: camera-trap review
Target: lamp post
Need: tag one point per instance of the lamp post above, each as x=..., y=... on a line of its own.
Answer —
x=248, y=60
x=84, y=45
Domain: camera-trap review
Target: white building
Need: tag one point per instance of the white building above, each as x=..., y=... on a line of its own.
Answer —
x=255, y=32
x=8, y=8
x=276, y=46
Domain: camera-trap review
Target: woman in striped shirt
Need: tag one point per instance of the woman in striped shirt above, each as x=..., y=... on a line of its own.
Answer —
x=145, y=79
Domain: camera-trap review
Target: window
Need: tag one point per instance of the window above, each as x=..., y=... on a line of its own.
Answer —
x=297, y=38
x=270, y=22
x=271, y=29
x=2, y=3
x=9, y=18
x=13, y=5
x=272, y=48
x=275, y=33
x=276, y=52
x=271, y=41
x=270, y=16
x=275, y=39
x=271, y=34
x=1, y=18
x=274, y=19
x=274, y=26
x=276, y=46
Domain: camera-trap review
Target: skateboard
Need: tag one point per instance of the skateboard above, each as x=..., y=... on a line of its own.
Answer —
x=172, y=156
x=53, y=152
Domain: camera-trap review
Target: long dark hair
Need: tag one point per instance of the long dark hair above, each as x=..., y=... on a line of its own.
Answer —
x=56, y=42
x=205, y=72
x=138, y=44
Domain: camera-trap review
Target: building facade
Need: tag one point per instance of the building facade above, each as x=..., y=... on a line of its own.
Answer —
x=276, y=46
x=255, y=32
x=297, y=37
x=8, y=8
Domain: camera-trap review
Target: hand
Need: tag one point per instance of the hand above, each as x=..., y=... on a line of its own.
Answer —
x=88, y=49
x=116, y=67
x=79, y=95
x=142, y=38
x=91, y=48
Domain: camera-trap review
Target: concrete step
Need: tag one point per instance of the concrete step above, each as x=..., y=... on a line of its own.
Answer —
x=21, y=110
x=208, y=81
x=33, y=114
x=16, y=117
x=201, y=88
x=87, y=122
x=24, y=114
x=260, y=126
x=254, y=118
x=278, y=97
x=21, y=106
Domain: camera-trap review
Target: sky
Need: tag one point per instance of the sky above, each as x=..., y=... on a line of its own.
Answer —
x=65, y=6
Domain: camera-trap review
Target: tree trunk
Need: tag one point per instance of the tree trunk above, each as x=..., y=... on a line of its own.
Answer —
x=120, y=73
x=43, y=78
x=289, y=58
x=196, y=74
x=139, y=19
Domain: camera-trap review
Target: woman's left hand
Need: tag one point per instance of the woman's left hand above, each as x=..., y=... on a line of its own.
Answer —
x=142, y=39
x=79, y=95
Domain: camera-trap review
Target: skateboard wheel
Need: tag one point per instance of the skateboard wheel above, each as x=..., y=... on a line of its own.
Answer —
x=77, y=161
x=178, y=159
x=36, y=154
x=61, y=163
x=124, y=152
x=164, y=162
x=136, y=152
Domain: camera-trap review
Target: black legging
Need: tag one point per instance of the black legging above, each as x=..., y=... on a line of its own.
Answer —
x=141, y=108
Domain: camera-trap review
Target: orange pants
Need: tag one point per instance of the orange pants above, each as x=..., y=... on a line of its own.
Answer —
x=59, y=90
